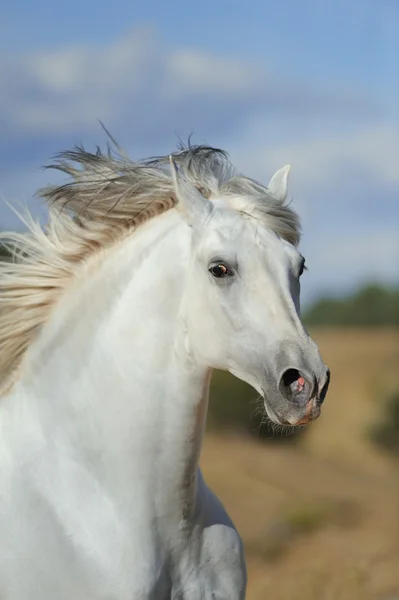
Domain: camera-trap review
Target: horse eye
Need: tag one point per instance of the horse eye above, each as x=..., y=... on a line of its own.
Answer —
x=220, y=270
x=302, y=267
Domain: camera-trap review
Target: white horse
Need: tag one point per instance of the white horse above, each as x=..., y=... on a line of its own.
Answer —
x=111, y=321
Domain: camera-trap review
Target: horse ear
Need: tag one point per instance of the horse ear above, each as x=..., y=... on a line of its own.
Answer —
x=278, y=184
x=190, y=202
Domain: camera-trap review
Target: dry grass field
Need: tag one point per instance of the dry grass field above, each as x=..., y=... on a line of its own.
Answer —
x=320, y=519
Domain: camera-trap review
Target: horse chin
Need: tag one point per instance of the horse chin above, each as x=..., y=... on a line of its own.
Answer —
x=293, y=416
x=273, y=415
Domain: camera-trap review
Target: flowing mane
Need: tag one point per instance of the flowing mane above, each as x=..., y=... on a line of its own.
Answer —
x=106, y=197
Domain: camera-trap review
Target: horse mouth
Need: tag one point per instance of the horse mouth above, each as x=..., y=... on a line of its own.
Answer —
x=310, y=413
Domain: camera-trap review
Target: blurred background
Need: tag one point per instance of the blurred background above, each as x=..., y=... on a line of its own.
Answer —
x=312, y=83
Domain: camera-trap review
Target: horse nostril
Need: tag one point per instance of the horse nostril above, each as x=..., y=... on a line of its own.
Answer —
x=290, y=377
x=294, y=386
x=324, y=389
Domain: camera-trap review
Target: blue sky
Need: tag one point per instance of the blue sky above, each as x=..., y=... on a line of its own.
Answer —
x=312, y=83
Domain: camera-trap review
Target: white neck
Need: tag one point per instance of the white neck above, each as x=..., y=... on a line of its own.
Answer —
x=111, y=379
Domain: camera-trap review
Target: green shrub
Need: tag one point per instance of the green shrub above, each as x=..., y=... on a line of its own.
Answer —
x=371, y=305
x=386, y=432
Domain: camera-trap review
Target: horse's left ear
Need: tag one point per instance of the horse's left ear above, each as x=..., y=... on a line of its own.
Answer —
x=278, y=184
x=190, y=202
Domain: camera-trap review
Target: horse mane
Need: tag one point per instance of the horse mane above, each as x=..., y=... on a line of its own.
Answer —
x=105, y=198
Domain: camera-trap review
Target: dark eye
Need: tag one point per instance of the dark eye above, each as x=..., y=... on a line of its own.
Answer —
x=220, y=270
x=302, y=267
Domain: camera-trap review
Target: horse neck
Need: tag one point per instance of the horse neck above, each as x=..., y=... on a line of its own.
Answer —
x=110, y=378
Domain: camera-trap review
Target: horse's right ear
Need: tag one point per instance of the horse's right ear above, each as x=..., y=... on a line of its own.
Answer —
x=192, y=205
x=278, y=185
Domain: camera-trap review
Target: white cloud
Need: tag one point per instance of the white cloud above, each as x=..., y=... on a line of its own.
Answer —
x=319, y=158
x=374, y=148
x=141, y=80
x=202, y=72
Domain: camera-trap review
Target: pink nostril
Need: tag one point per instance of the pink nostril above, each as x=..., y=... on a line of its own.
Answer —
x=290, y=377
x=296, y=387
x=300, y=384
x=294, y=383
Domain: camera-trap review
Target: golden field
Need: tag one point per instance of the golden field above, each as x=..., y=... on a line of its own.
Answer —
x=320, y=518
